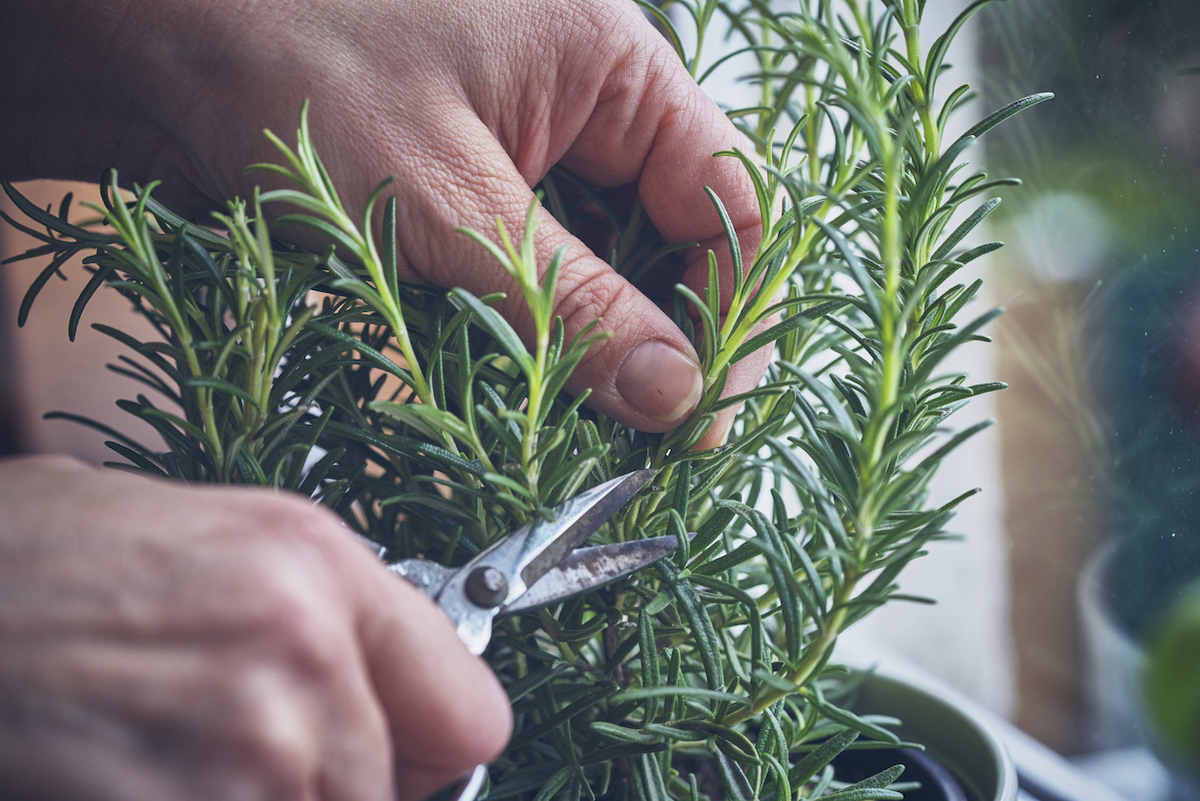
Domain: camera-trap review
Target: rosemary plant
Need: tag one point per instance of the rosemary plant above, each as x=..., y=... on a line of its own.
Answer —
x=422, y=417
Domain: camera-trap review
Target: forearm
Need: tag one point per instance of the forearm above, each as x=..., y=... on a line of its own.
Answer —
x=91, y=85
x=61, y=99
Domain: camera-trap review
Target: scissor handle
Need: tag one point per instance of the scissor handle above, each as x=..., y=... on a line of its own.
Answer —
x=469, y=786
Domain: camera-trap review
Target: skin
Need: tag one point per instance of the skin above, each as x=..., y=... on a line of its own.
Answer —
x=218, y=643
x=165, y=642
x=467, y=130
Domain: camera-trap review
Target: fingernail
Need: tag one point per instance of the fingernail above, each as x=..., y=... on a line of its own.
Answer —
x=659, y=381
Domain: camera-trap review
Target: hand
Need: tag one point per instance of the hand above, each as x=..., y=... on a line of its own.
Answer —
x=164, y=643
x=468, y=103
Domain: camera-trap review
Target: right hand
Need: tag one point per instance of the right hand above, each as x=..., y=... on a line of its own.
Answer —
x=164, y=642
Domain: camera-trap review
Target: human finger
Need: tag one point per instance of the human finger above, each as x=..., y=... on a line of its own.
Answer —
x=181, y=642
x=654, y=125
x=633, y=115
x=445, y=709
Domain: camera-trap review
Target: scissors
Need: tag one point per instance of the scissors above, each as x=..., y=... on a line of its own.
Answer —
x=538, y=564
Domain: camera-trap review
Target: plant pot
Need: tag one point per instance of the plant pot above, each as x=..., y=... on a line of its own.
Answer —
x=964, y=758
x=1113, y=658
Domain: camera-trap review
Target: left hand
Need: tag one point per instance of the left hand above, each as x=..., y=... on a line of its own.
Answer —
x=468, y=103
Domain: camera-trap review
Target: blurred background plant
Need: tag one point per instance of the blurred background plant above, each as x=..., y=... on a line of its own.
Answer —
x=1102, y=348
x=1172, y=685
x=422, y=418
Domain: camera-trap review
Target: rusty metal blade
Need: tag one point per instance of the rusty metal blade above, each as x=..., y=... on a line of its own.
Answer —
x=586, y=569
x=547, y=544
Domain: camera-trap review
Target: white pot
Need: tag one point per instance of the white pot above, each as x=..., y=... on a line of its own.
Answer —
x=1114, y=662
x=954, y=735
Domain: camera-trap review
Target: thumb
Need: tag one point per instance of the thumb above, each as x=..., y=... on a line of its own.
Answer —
x=446, y=710
x=645, y=374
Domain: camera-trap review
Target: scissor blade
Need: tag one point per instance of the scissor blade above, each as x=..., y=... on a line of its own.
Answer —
x=547, y=544
x=586, y=569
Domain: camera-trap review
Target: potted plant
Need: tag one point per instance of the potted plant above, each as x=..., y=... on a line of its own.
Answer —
x=421, y=417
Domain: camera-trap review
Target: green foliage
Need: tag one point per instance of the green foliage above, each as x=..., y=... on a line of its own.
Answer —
x=424, y=419
x=1172, y=688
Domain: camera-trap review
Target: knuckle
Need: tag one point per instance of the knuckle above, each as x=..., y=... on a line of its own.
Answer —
x=55, y=462
x=596, y=19
x=272, y=515
x=586, y=295
x=294, y=605
x=595, y=296
x=297, y=628
x=270, y=736
x=293, y=613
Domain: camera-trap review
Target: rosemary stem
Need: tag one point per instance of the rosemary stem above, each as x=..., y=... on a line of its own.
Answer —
x=814, y=657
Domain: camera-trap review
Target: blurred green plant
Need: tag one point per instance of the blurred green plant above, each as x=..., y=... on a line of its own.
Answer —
x=423, y=418
x=1172, y=681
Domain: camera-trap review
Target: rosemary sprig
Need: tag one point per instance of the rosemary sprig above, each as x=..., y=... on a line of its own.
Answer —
x=424, y=419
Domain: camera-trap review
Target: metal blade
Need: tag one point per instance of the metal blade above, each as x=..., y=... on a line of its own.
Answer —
x=589, y=568
x=548, y=544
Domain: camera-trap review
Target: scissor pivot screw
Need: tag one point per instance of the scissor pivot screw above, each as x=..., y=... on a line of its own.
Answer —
x=487, y=587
